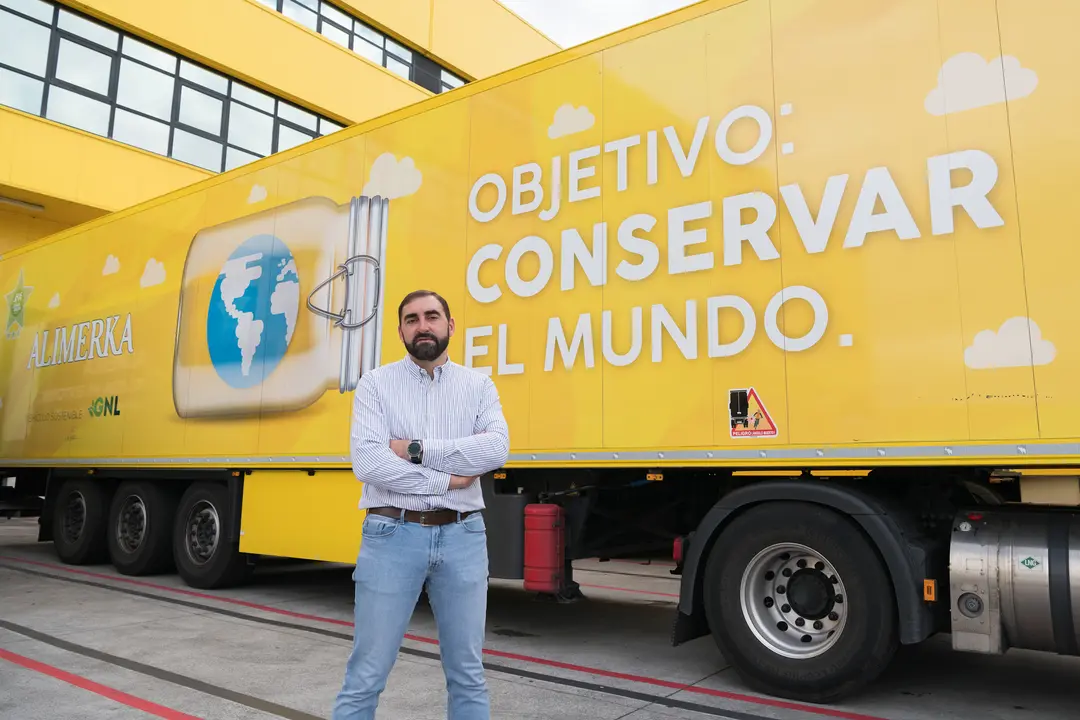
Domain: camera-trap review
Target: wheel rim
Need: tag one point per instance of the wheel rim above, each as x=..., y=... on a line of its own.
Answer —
x=132, y=524
x=203, y=532
x=74, y=520
x=794, y=601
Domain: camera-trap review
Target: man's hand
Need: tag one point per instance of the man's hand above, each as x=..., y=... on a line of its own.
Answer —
x=458, y=482
x=400, y=448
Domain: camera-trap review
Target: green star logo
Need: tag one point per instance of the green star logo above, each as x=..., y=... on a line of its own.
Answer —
x=1030, y=563
x=16, y=302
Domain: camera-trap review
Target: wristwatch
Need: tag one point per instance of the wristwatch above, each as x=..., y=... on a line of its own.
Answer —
x=416, y=451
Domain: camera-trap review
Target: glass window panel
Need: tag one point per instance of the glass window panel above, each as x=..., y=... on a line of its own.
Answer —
x=33, y=8
x=272, y=4
x=150, y=55
x=141, y=132
x=78, y=111
x=364, y=48
x=396, y=66
x=289, y=138
x=207, y=79
x=452, y=80
x=20, y=92
x=329, y=11
x=146, y=90
x=326, y=127
x=253, y=97
x=79, y=65
x=297, y=116
x=371, y=35
x=300, y=14
x=24, y=44
x=91, y=31
x=200, y=111
x=251, y=129
x=398, y=50
x=313, y=4
x=196, y=150
x=235, y=158
x=336, y=34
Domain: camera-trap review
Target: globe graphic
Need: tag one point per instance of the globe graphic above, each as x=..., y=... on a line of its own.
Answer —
x=252, y=312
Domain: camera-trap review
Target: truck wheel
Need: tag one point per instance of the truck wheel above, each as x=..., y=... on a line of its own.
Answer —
x=141, y=527
x=203, y=555
x=79, y=517
x=799, y=602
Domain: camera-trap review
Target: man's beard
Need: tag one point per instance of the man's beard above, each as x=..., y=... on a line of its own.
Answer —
x=429, y=350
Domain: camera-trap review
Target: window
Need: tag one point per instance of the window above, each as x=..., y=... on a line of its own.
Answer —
x=337, y=25
x=63, y=66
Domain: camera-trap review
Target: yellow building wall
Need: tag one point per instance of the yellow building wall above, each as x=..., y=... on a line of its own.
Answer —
x=18, y=228
x=476, y=37
x=43, y=157
x=262, y=47
x=78, y=175
x=507, y=41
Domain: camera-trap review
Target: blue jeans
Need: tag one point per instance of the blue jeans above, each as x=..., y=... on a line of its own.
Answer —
x=396, y=558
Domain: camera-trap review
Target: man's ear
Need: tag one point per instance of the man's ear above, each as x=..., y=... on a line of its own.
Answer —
x=450, y=325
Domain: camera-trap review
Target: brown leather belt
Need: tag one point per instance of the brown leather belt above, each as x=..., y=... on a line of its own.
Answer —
x=424, y=517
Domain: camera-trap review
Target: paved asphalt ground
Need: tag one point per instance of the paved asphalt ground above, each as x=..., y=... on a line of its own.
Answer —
x=87, y=643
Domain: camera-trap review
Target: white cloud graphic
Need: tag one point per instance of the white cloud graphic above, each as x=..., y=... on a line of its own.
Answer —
x=966, y=81
x=154, y=274
x=54, y=302
x=112, y=266
x=570, y=120
x=391, y=178
x=1017, y=343
x=257, y=194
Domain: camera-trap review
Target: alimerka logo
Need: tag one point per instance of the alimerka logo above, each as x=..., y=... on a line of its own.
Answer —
x=104, y=406
x=16, y=307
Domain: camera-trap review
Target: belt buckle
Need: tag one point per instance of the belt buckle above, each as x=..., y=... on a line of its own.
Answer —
x=423, y=519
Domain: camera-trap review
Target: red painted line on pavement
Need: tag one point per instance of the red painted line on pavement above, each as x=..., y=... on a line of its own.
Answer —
x=641, y=679
x=98, y=689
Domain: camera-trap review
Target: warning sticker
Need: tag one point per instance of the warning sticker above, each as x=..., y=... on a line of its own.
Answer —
x=749, y=418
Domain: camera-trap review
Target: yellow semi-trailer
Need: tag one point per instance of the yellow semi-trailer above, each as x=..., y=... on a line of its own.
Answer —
x=785, y=286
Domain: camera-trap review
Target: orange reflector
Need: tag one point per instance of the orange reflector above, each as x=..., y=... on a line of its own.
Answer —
x=929, y=590
x=654, y=477
x=500, y=476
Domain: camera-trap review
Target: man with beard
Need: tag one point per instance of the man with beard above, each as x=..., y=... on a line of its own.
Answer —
x=423, y=429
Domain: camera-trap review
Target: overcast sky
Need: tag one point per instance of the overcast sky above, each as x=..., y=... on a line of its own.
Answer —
x=572, y=22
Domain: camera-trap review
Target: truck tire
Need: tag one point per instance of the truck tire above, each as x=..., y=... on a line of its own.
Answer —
x=140, y=530
x=204, y=557
x=799, y=602
x=80, y=513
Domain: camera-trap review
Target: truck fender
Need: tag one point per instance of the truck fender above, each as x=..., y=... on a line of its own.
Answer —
x=906, y=561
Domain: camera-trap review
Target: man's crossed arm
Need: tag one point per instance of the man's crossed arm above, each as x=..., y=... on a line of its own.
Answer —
x=447, y=464
x=485, y=450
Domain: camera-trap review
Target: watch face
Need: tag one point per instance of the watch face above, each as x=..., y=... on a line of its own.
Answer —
x=414, y=448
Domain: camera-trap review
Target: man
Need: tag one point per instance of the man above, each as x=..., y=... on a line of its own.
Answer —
x=423, y=429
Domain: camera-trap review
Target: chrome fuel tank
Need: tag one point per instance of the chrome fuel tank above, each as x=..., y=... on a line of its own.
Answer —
x=1014, y=576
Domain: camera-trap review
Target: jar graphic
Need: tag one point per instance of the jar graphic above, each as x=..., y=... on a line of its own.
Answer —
x=257, y=331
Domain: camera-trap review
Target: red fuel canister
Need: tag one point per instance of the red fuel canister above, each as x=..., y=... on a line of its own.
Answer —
x=545, y=547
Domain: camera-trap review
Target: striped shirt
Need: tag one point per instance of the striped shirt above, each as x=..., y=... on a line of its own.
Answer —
x=457, y=415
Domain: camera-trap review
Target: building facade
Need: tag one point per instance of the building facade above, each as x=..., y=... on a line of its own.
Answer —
x=107, y=103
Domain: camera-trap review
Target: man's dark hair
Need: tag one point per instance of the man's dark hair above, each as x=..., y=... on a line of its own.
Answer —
x=419, y=294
